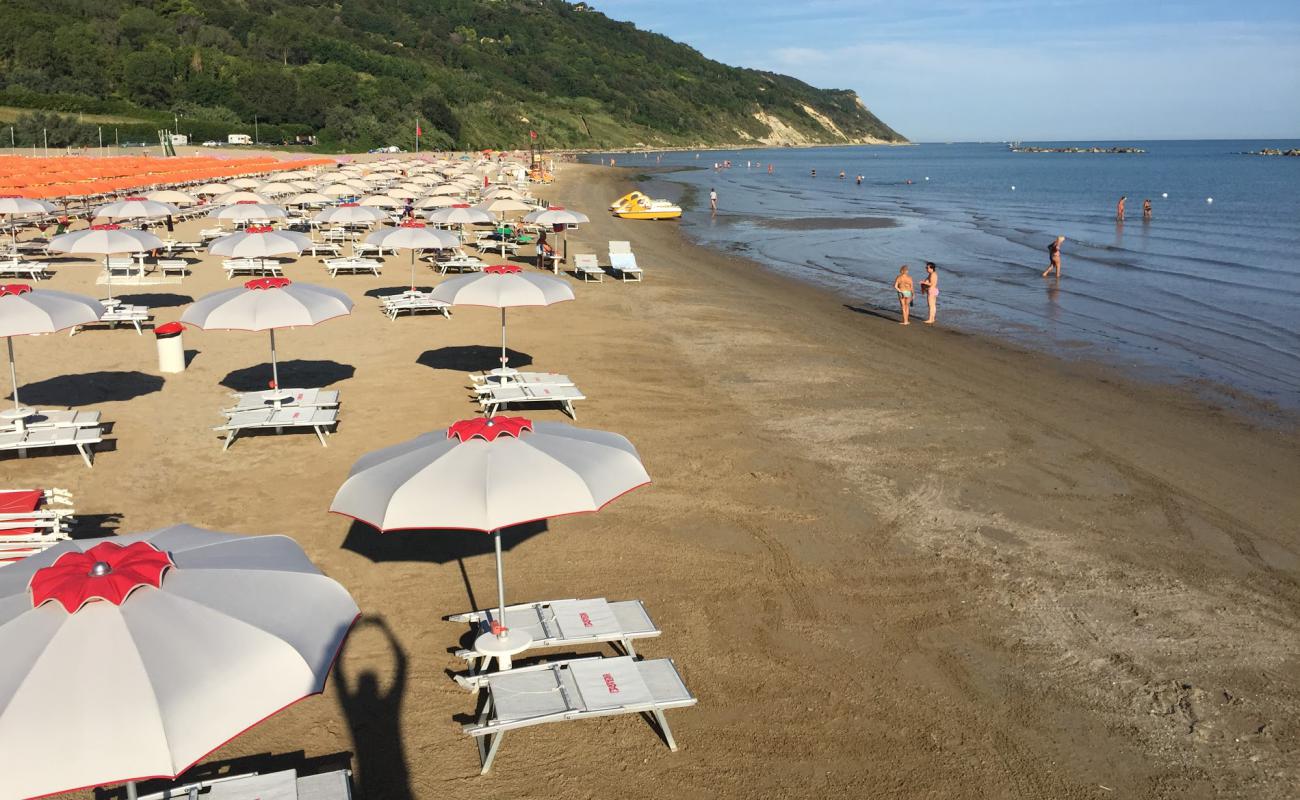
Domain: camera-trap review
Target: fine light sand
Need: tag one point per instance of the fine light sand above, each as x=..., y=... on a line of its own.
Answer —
x=891, y=562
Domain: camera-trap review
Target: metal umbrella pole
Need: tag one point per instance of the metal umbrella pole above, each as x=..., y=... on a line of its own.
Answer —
x=500, y=628
x=275, y=370
x=13, y=372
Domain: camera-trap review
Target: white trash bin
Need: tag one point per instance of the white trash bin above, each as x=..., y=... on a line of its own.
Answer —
x=171, y=347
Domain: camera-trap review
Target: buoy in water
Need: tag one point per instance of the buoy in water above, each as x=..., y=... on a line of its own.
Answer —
x=1013, y=188
x=1165, y=195
x=1209, y=199
x=927, y=177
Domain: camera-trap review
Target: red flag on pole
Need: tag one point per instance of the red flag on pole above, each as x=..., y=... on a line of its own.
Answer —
x=532, y=134
x=417, y=128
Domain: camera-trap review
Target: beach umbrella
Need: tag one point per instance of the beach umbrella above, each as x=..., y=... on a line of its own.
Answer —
x=404, y=193
x=503, y=286
x=25, y=311
x=276, y=188
x=265, y=304
x=260, y=242
x=379, y=201
x=308, y=199
x=558, y=215
x=133, y=657
x=436, y=201
x=448, y=189
x=213, y=189
x=243, y=183
x=136, y=208
x=105, y=240
x=246, y=210
x=14, y=206
x=503, y=206
x=339, y=190
x=172, y=196
x=412, y=235
x=349, y=214
x=230, y=198
x=485, y=475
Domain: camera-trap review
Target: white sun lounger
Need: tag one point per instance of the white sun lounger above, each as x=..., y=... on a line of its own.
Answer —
x=82, y=439
x=581, y=688
x=565, y=623
x=323, y=248
x=174, y=266
x=56, y=419
x=354, y=266
x=459, y=262
x=317, y=419
x=496, y=378
x=23, y=269
x=413, y=303
x=586, y=267
x=284, y=785
x=251, y=266
x=625, y=265
x=531, y=394
x=118, y=314
x=286, y=398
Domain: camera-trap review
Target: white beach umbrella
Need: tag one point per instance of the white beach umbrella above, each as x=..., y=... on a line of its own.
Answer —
x=340, y=190
x=503, y=286
x=260, y=242
x=437, y=201
x=379, y=201
x=25, y=311
x=349, y=214
x=230, y=198
x=557, y=215
x=243, y=183
x=15, y=206
x=172, y=196
x=503, y=206
x=488, y=474
x=136, y=208
x=105, y=240
x=309, y=199
x=412, y=235
x=403, y=193
x=448, y=189
x=276, y=188
x=245, y=210
x=459, y=214
x=134, y=657
x=265, y=304
x=213, y=189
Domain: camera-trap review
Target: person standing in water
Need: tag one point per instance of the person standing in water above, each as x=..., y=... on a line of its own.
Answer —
x=903, y=285
x=713, y=200
x=931, y=287
x=1119, y=208
x=1146, y=209
x=1054, y=257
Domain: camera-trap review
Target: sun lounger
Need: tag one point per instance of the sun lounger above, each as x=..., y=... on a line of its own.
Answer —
x=251, y=266
x=530, y=394
x=56, y=419
x=324, y=249
x=354, y=266
x=413, y=303
x=129, y=265
x=212, y=233
x=32, y=520
x=283, y=398
x=182, y=247
x=486, y=383
x=585, y=267
x=120, y=313
x=317, y=419
x=368, y=248
x=565, y=623
x=459, y=261
x=82, y=439
x=18, y=268
x=576, y=689
x=283, y=785
x=174, y=266
x=624, y=265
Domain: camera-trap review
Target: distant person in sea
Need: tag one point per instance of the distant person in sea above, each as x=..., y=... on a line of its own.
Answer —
x=903, y=285
x=769, y=169
x=1119, y=208
x=1054, y=257
x=713, y=200
x=814, y=173
x=841, y=174
x=1146, y=209
x=931, y=288
x=859, y=180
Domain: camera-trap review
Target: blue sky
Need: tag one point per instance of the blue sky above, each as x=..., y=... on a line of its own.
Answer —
x=959, y=70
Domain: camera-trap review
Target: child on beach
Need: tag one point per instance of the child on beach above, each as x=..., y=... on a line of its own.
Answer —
x=1054, y=257
x=903, y=285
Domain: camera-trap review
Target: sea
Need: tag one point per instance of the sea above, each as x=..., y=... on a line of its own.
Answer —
x=1206, y=293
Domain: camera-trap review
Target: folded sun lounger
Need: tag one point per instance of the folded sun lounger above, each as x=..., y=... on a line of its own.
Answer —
x=413, y=303
x=576, y=689
x=565, y=623
x=530, y=394
x=317, y=419
x=32, y=520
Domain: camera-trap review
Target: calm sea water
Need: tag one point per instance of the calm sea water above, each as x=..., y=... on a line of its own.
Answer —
x=1206, y=292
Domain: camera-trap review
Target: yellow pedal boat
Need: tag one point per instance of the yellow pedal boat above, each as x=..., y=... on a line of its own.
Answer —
x=636, y=205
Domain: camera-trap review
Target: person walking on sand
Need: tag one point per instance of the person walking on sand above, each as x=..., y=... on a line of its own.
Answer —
x=713, y=200
x=931, y=288
x=1119, y=208
x=903, y=285
x=1054, y=257
x=1146, y=209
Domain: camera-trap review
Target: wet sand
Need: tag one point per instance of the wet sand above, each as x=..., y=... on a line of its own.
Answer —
x=890, y=562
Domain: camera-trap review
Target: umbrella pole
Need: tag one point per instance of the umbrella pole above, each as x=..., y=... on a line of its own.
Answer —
x=275, y=370
x=131, y=791
x=504, y=357
x=501, y=587
x=413, y=269
x=13, y=373
x=108, y=281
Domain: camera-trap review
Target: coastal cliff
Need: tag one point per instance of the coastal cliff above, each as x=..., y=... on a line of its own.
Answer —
x=352, y=75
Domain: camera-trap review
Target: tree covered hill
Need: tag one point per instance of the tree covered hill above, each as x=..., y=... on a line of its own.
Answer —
x=357, y=73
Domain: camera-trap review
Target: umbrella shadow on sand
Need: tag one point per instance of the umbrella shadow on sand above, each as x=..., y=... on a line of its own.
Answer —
x=374, y=713
x=157, y=299
x=471, y=358
x=89, y=388
x=298, y=372
x=389, y=291
x=438, y=546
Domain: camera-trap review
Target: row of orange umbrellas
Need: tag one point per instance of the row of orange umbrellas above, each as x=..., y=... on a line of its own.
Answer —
x=80, y=176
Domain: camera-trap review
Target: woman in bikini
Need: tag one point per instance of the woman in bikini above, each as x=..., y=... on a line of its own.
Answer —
x=903, y=285
x=931, y=287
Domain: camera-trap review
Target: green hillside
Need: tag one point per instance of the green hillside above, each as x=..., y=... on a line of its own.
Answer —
x=478, y=73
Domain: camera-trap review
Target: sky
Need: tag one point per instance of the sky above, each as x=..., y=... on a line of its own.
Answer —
x=995, y=70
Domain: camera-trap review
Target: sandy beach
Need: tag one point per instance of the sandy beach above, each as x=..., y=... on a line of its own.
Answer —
x=890, y=562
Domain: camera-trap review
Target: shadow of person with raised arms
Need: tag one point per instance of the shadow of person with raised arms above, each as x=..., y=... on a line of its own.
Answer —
x=375, y=719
